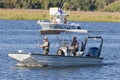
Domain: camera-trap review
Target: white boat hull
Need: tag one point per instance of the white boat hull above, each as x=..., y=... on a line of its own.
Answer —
x=48, y=25
x=37, y=60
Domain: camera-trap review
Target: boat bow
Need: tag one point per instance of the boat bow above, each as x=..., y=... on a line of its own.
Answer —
x=19, y=57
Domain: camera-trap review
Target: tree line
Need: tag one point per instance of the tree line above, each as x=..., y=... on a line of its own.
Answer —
x=79, y=5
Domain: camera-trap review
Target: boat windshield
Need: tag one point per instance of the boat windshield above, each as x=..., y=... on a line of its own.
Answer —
x=64, y=43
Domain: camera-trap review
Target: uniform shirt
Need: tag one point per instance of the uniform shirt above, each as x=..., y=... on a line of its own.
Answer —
x=46, y=45
x=74, y=44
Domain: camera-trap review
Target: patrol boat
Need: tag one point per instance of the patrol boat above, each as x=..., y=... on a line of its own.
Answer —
x=86, y=56
x=58, y=20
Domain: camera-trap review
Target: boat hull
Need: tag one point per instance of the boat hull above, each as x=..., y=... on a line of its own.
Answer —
x=47, y=25
x=38, y=60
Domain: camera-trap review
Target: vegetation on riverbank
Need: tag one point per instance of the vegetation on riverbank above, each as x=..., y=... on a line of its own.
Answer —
x=97, y=10
x=30, y=14
x=113, y=7
x=80, y=5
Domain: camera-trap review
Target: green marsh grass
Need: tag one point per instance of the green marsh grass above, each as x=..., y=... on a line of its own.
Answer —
x=30, y=14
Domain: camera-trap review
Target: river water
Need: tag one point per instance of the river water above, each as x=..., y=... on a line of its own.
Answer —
x=23, y=34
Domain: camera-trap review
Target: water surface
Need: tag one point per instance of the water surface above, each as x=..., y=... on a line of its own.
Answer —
x=23, y=34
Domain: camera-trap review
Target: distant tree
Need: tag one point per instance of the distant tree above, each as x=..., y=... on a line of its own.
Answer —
x=100, y=4
x=2, y=5
x=46, y=4
x=67, y=6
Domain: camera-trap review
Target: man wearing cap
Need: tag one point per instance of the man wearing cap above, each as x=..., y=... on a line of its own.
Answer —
x=45, y=46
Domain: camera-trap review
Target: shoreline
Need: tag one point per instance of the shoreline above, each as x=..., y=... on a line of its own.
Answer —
x=78, y=16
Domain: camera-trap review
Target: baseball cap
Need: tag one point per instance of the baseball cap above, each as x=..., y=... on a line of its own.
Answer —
x=45, y=38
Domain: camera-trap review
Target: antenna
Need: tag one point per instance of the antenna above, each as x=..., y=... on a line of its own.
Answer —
x=62, y=4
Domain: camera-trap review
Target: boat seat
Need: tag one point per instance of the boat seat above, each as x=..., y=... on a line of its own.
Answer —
x=64, y=49
x=60, y=52
x=93, y=52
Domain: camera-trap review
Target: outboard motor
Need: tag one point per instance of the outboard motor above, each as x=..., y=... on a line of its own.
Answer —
x=75, y=26
x=93, y=52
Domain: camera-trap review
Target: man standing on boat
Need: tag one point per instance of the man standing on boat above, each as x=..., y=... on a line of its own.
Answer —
x=45, y=46
x=74, y=46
